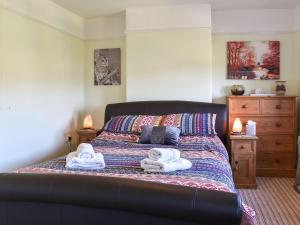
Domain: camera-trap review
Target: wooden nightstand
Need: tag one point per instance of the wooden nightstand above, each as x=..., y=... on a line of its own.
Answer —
x=243, y=160
x=86, y=135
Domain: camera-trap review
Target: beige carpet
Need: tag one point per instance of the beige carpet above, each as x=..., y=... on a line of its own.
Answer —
x=274, y=201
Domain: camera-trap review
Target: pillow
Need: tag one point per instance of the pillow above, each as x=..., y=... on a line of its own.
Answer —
x=192, y=123
x=131, y=123
x=160, y=135
x=146, y=134
x=113, y=136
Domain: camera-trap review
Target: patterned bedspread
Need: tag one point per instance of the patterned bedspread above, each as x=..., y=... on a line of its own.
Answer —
x=210, y=170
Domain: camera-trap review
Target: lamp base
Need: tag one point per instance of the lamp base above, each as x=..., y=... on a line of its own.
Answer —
x=237, y=133
x=90, y=128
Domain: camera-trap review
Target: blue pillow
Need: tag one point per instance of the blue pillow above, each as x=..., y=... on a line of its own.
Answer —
x=165, y=135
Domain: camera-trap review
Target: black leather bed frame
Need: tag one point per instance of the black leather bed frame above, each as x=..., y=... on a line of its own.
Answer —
x=33, y=199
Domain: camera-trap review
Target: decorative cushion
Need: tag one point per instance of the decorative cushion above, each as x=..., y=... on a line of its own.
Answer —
x=131, y=123
x=160, y=135
x=146, y=134
x=192, y=123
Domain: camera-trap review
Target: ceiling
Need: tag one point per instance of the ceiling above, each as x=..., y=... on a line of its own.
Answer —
x=96, y=8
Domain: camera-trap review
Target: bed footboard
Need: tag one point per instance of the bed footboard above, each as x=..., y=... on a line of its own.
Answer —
x=55, y=199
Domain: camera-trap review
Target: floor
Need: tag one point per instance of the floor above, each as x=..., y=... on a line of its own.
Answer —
x=275, y=201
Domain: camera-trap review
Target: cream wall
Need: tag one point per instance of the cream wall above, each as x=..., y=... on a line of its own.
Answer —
x=41, y=89
x=297, y=59
x=169, y=64
x=97, y=97
x=221, y=85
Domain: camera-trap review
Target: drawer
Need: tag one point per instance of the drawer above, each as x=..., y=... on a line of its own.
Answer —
x=243, y=146
x=276, y=143
x=276, y=160
x=277, y=106
x=277, y=125
x=244, y=106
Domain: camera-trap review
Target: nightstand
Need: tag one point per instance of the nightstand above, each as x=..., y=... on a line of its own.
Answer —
x=86, y=135
x=243, y=160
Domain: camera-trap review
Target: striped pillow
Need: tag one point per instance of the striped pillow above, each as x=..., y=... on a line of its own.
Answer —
x=192, y=123
x=131, y=123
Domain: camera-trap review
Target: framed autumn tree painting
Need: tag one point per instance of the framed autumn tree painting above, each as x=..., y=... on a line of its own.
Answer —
x=253, y=60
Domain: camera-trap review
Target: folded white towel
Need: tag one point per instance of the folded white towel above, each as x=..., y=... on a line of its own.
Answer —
x=74, y=162
x=85, y=151
x=155, y=166
x=164, y=154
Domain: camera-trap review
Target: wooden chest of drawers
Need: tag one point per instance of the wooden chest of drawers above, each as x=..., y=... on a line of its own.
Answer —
x=276, y=128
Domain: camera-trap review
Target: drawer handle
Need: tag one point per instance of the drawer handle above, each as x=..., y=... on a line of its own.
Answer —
x=242, y=147
x=244, y=106
x=277, y=143
x=277, y=161
x=278, y=124
x=236, y=166
x=278, y=107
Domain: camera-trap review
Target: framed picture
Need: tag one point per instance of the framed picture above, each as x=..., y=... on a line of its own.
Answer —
x=107, y=66
x=253, y=60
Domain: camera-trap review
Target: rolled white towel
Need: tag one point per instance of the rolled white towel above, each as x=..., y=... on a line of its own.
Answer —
x=155, y=166
x=164, y=154
x=85, y=151
x=74, y=162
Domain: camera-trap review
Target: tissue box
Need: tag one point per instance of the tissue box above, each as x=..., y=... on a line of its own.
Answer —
x=251, y=128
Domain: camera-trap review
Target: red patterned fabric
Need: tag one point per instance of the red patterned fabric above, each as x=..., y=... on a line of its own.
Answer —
x=131, y=123
x=145, y=120
x=173, y=120
x=112, y=136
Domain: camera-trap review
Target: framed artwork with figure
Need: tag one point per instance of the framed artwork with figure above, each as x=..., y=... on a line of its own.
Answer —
x=253, y=60
x=107, y=66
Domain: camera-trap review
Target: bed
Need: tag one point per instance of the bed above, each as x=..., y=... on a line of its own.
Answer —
x=48, y=193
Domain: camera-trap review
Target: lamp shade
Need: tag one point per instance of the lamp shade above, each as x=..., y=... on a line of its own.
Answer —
x=237, y=126
x=88, y=122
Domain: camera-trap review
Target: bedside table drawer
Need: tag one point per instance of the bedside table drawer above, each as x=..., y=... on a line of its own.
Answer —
x=240, y=146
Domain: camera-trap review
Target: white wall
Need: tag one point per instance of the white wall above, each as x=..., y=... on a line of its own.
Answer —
x=110, y=27
x=97, y=97
x=168, y=17
x=169, y=65
x=297, y=18
x=41, y=92
x=48, y=13
x=168, y=53
x=253, y=21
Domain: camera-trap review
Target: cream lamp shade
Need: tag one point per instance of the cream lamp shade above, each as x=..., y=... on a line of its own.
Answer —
x=88, y=122
x=237, y=126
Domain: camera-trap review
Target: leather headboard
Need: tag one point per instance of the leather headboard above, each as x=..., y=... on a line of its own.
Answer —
x=169, y=107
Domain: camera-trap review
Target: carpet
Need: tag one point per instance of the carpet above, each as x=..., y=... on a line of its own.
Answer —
x=275, y=201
